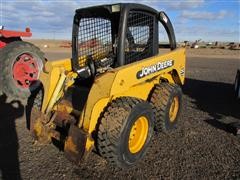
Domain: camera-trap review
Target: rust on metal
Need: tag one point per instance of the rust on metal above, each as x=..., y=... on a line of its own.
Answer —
x=62, y=119
x=65, y=114
x=38, y=129
x=66, y=106
x=70, y=146
x=74, y=147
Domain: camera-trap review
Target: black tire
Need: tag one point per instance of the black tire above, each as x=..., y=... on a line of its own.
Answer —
x=237, y=85
x=9, y=55
x=161, y=99
x=114, y=129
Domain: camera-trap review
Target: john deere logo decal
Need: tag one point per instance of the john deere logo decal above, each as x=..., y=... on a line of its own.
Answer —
x=154, y=68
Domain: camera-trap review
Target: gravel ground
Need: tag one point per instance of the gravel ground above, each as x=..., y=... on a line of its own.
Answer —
x=202, y=147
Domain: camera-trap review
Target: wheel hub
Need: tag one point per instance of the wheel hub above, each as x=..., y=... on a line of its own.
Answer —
x=174, y=109
x=138, y=135
x=25, y=70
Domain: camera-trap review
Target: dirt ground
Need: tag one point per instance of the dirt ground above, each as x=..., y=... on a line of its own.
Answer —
x=202, y=147
x=57, y=51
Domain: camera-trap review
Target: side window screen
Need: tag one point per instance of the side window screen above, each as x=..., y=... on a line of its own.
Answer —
x=94, y=39
x=139, y=36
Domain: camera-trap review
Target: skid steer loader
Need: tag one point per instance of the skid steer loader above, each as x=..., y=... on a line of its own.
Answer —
x=115, y=90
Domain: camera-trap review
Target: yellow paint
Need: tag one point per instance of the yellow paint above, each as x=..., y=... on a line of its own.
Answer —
x=50, y=78
x=126, y=75
x=122, y=82
x=49, y=81
x=38, y=128
x=101, y=89
x=56, y=92
x=88, y=126
x=174, y=108
x=138, y=135
x=116, y=83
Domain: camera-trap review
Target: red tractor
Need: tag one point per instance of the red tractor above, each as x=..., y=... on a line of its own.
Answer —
x=20, y=64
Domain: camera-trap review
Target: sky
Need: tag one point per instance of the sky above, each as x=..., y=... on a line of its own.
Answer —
x=208, y=20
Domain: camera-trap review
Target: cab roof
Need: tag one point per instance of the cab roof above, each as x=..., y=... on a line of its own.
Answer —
x=112, y=8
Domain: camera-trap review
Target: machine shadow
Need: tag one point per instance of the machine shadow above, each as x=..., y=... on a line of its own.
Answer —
x=217, y=99
x=9, y=113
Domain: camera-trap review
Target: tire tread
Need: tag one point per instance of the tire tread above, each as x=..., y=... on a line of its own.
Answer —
x=110, y=127
x=159, y=100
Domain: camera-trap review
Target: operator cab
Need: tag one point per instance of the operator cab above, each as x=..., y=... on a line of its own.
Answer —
x=111, y=36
